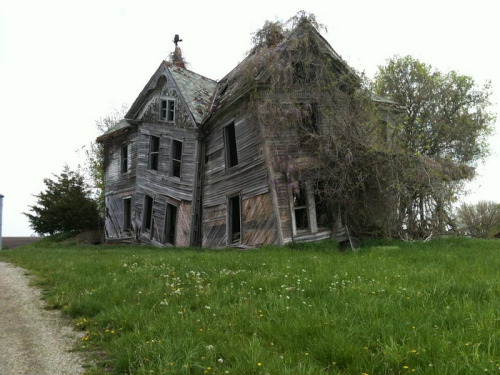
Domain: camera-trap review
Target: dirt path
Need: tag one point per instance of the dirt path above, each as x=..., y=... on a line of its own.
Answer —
x=32, y=340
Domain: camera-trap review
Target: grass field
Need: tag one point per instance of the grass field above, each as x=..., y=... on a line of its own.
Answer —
x=389, y=308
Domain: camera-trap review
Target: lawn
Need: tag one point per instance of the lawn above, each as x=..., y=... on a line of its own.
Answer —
x=389, y=308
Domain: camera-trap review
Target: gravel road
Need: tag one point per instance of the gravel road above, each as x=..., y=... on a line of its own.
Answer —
x=32, y=340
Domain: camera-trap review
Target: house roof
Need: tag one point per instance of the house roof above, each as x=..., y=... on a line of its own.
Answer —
x=120, y=127
x=253, y=67
x=196, y=89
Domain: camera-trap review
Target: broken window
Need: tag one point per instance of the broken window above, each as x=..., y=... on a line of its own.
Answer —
x=176, y=158
x=167, y=110
x=170, y=223
x=230, y=146
x=154, y=150
x=124, y=158
x=127, y=214
x=234, y=219
x=300, y=208
x=147, y=218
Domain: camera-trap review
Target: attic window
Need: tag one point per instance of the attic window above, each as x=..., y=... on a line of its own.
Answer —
x=303, y=73
x=230, y=146
x=167, y=110
x=176, y=158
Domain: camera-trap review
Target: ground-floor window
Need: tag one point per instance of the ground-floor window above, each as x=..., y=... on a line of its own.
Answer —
x=170, y=223
x=300, y=206
x=147, y=218
x=234, y=219
x=127, y=214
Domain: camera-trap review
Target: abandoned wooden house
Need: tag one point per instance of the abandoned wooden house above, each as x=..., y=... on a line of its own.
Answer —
x=192, y=164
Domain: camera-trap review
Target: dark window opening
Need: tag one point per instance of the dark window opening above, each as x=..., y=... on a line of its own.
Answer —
x=124, y=159
x=170, y=110
x=176, y=158
x=170, y=223
x=230, y=146
x=309, y=118
x=127, y=214
x=300, y=208
x=303, y=73
x=323, y=208
x=167, y=110
x=154, y=150
x=234, y=219
x=148, y=214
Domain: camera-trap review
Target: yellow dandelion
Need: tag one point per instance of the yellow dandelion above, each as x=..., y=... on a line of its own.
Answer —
x=259, y=364
x=405, y=367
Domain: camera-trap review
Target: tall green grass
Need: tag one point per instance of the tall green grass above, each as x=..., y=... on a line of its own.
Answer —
x=389, y=308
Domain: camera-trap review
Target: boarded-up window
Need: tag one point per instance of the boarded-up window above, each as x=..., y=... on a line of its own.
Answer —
x=170, y=223
x=147, y=215
x=167, y=110
x=154, y=150
x=230, y=146
x=127, y=214
x=176, y=158
x=124, y=158
x=234, y=219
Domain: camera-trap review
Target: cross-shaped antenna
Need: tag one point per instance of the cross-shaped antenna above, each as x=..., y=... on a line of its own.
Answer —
x=177, y=39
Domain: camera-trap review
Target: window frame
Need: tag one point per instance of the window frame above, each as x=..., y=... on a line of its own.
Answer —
x=175, y=143
x=124, y=157
x=167, y=109
x=148, y=214
x=153, y=154
x=127, y=214
x=230, y=145
x=169, y=224
x=231, y=199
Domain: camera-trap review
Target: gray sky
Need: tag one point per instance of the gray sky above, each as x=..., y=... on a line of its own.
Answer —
x=64, y=64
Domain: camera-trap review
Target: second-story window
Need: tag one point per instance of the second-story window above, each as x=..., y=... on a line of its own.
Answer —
x=154, y=151
x=176, y=158
x=124, y=158
x=167, y=110
x=230, y=146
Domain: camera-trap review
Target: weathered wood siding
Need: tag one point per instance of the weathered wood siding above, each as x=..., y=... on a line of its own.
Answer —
x=114, y=220
x=249, y=179
x=160, y=184
x=118, y=185
x=156, y=235
x=259, y=224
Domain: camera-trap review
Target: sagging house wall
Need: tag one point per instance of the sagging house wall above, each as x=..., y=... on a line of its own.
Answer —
x=120, y=179
x=152, y=202
x=299, y=205
x=237, y=202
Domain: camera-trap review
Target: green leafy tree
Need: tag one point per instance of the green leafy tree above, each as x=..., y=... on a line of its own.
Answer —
x=65, y=205
x=479, y=219
x=442, y=133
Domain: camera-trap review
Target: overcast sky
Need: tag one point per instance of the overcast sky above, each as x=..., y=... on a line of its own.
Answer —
x=64, y=64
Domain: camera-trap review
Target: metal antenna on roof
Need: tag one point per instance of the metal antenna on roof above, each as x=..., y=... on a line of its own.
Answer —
x=177, y=39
